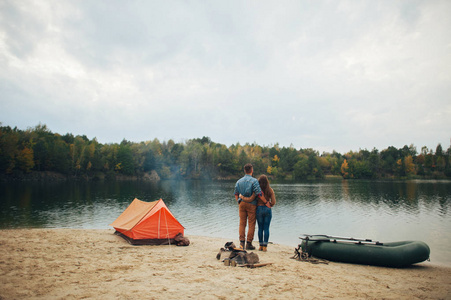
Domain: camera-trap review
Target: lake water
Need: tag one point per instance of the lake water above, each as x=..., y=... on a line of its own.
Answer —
x=379, y=210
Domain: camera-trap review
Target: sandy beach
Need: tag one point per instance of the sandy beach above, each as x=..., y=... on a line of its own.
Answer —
x=96, y=264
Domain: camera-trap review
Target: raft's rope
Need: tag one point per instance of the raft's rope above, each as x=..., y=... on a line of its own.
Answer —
x=303, y=256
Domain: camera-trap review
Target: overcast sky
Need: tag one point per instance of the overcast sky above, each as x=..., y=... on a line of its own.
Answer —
x=327, y=75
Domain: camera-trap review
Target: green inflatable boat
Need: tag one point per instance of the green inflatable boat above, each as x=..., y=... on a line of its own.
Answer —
x=364, y=251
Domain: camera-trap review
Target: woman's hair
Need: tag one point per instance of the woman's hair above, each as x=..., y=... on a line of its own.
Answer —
x=264, y=185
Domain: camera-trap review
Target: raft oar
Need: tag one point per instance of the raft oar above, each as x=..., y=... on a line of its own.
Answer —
x=323, y=237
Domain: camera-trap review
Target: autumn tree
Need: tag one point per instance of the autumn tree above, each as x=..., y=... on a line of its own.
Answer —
x=409, y=166
x=344, y=169
x=25, y=159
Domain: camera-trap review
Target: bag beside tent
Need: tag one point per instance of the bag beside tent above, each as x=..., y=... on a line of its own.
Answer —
x=148, y=223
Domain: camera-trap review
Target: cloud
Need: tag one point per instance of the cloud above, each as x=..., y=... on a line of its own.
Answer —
x=326, y=75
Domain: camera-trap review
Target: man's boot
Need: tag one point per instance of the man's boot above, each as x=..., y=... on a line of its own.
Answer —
x=249, y=246
x=242, y=245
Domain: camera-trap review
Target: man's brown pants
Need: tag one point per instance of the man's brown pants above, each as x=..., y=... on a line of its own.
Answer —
x=247, y=213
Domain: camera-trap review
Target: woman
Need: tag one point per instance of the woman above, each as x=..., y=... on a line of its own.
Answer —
x=264, y=213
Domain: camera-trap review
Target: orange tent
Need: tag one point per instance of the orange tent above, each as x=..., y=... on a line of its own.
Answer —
x=148, y=223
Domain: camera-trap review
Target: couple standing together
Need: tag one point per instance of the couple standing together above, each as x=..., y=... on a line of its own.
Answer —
x=255, y=199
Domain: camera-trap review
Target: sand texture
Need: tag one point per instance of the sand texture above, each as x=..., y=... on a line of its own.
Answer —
x=96, y=264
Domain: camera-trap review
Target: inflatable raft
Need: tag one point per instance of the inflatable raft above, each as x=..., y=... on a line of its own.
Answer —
x=365, y=251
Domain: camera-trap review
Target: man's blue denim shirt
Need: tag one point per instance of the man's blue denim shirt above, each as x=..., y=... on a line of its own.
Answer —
x=246, y=186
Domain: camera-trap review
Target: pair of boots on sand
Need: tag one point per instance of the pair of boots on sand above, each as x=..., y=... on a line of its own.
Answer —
x=249, y=246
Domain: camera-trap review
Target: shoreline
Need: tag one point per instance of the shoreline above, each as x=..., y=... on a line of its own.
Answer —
x=95, y=263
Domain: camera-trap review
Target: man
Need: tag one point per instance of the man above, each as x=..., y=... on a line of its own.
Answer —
x=246, y=186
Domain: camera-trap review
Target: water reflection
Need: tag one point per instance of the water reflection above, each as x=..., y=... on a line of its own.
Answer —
x=382, y=210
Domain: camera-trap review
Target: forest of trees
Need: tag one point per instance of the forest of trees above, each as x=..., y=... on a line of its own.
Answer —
x=37, y=149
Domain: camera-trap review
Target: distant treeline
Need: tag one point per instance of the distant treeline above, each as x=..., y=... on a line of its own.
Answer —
x=38, y=150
